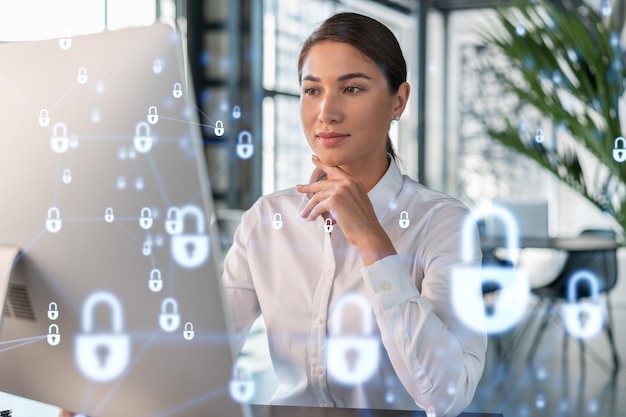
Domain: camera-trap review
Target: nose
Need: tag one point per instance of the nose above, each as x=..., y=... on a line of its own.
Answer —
x=330, y=111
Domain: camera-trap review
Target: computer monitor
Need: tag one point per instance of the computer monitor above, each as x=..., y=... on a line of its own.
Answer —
x=114, y=306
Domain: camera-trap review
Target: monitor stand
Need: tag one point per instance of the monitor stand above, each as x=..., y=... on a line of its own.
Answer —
x=8, y=258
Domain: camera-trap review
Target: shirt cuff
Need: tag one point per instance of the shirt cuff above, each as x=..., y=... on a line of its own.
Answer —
x=389, y=282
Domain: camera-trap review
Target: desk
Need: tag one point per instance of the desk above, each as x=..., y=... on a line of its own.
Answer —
x=570, y=244
x=288, y=411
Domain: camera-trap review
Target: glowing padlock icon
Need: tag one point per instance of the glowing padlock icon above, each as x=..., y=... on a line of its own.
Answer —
x=109, y=216
x=328, y=225
x=65, y=41
x=66, y=177
x=54, y=338
x=188, y=249
x=73, y=141
x=219, y=128
x=155, y=283
x=59, y=141
x=82, y=75
x=188, y=333
x=139, y=183
x=242, y=387
x=619, y=149
x=352, y=359
x=404, y=221
x=506, y=288
x=153, y=116
x=173, y=221
x=157, y=66
x=583, y=319
x=245, y=147
x=146, y=221
x=102, y=357
x=121, y=182
x=53, y=311
x=44, y=119
x=53, y=222
x=143, y=139
x=146, y=250
x=278, y=221
x=177, y=92
x=169, y=320
x=539, y=136
x=236, y=112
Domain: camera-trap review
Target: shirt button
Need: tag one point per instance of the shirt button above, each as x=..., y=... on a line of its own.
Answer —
x=329, y=273
x=318, y=320
x=385, y=286
x=319, y=371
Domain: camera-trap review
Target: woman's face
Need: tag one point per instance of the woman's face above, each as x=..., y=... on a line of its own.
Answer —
x=346, y=106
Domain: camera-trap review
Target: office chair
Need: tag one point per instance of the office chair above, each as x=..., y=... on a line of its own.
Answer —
x=602, y=263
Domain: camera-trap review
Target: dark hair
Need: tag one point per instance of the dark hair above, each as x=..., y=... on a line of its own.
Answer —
x=371, y=38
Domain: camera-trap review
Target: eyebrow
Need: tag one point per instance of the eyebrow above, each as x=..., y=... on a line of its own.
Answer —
x=341, y=78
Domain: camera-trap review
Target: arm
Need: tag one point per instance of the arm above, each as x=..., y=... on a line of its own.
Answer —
x=241, y=298
x=438, y=359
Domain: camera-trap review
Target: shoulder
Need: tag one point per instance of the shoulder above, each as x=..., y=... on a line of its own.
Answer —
x=431, y=202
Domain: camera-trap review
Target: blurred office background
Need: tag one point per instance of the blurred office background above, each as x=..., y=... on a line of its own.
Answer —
x=242, y=56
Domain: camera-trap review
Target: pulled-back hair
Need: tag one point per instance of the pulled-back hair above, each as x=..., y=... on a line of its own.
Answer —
x=373, y=39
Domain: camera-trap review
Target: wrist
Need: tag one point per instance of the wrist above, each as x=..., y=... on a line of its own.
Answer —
x=375, y=246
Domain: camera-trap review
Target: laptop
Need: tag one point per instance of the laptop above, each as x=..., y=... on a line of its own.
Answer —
x=109, y=263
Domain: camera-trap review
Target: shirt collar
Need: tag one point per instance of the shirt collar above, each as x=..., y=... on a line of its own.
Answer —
x=383, y=195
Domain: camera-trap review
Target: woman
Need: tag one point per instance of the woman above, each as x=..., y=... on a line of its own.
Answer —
x=352, y=271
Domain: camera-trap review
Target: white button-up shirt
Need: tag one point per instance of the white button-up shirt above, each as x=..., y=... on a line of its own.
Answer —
x=407, y=348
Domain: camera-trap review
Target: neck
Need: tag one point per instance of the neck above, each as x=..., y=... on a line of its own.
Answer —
x=368, y=173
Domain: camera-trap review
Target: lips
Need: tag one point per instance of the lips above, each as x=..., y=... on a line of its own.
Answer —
x=329, y=139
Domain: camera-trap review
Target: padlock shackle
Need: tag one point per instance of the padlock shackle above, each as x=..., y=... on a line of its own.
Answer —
x=106, y=298
x=622, y=140
x=142, y=125
x=56, y=212
x=243, y=365
x=481, y=212
x=190, y=324
x=197, y=213
x=242, y=134
x=146, y=209
x=52, y=303
x=165, y=302
x=576, y=278
x=152, y=110
x=278, y=217
x=156, y=272
x=367, y=327
x=404, y=215
x=56, y=127
x=56, y=328
x=173, y=211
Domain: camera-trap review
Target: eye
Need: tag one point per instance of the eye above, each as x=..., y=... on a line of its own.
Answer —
x=352, y=89
x=309, y=91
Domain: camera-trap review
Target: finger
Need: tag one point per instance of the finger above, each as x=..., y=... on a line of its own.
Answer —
x=315, y=187
x=312, y=205
x=332, y=171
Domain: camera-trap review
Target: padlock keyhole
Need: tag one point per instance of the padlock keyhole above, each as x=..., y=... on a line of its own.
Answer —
x=352, y=357
x=491, y=292
x=102, y=352
x=583, y=316
x=190, y=248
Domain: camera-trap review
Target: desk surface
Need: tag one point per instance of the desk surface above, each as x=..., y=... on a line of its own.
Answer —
x=572, y=244
x=286, y=411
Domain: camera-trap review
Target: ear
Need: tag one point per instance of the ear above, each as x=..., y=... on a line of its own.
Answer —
x=401, y=97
